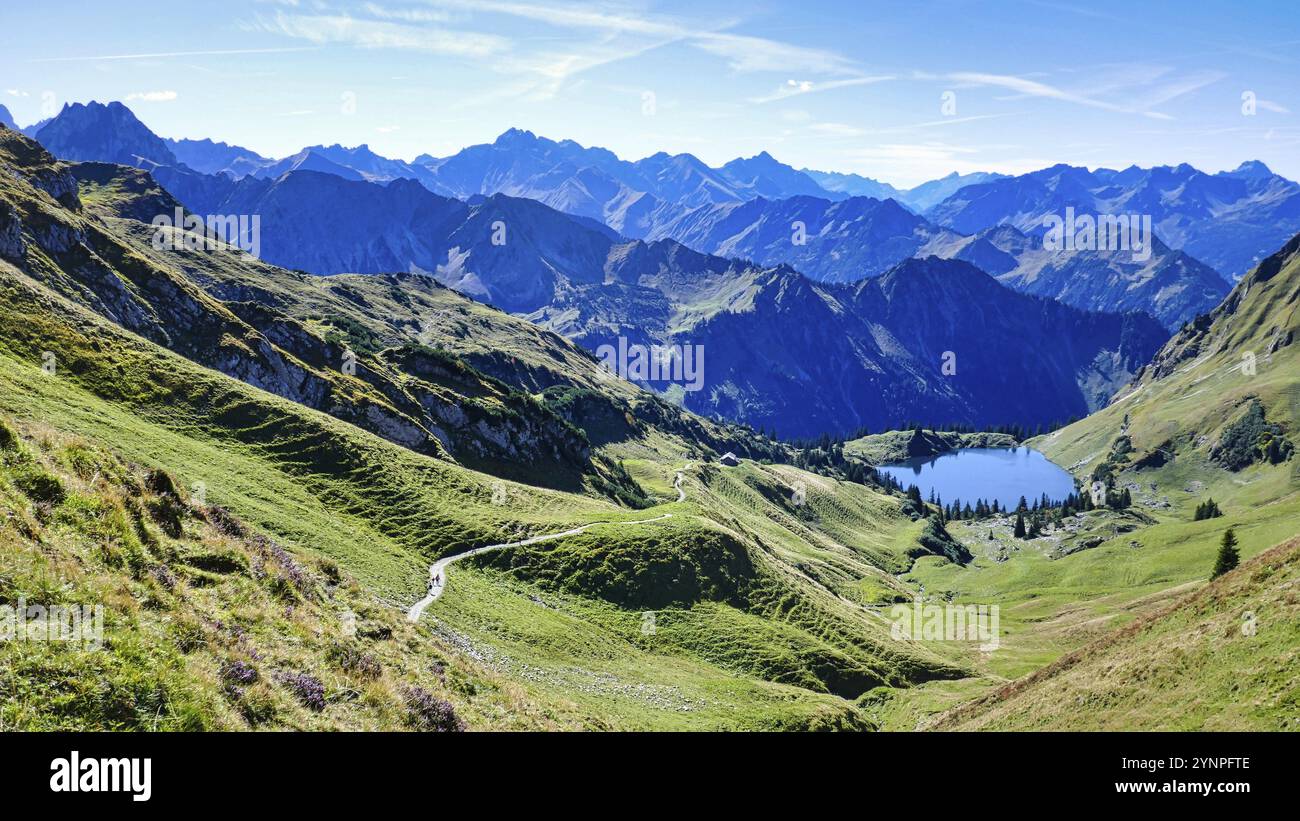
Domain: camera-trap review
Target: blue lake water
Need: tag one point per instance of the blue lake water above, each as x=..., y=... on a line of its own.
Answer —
x=985, y=473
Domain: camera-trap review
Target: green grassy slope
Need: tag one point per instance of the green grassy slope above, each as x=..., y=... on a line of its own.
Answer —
x=782, y=638
x=762, y=603
x=205, y=624
x=1226, y=657
x=1182, y=422
x=381, y=513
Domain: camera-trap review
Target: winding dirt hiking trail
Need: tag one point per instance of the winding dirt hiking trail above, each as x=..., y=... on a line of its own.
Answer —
x=438, y=570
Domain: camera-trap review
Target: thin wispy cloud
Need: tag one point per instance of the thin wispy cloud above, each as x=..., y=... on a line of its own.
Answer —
x=1033, y=88
x=152, y=96
x=621, y=36
x=947, y=121
x=345, y=30
x=158, y=55
x=795, y=88
x=833, y=129
x=407, y=15
x=1129, y=88
x=743, y=53
x=836, y=130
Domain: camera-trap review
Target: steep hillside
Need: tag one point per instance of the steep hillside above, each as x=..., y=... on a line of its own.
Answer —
x=155, y=358
x=1224, y=658
x=1214, y=417
x=410, y=396
x=1193, y=406
x=204, y=622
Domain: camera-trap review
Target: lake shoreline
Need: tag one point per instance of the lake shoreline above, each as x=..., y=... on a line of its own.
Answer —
x=901, y=445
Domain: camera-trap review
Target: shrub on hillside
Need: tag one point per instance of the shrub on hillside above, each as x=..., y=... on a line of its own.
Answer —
x=353, y=660
x=306, y=688
x=427, y=713
x=1251, y=439
x=236, y=671
x=166, y=509
x=8, y=437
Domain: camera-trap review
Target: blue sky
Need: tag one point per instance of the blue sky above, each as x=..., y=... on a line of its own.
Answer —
x=855, y=87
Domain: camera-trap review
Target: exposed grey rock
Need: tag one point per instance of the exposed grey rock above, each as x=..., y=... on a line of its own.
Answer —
x=12, y=244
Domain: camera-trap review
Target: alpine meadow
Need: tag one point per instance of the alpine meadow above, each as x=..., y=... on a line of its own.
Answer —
x=469, y=366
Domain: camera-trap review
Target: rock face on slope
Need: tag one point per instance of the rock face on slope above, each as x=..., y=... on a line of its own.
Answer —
x=418, y=399
x=104, y=133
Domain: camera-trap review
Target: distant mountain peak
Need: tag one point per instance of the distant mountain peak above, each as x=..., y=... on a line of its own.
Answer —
x=103, y=132
x=762, y=158
x=930, y=266
x=1251, y=169
x=515, y=136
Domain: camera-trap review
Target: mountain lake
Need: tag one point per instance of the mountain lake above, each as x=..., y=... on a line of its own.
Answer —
x=970, y=474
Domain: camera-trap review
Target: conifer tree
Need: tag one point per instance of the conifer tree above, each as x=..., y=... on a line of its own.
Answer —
x=1228, y=555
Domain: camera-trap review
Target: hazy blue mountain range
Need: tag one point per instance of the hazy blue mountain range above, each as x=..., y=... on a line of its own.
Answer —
x=630, y=197
x=211, y=157
x=841, y=241
x=712, y=210
x=918, y=199
x=784, y=351
x=1172, y=286
x=1229, y=220
x=586, y=282
x=860, y=237
x=1225, y=221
